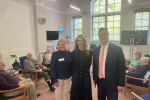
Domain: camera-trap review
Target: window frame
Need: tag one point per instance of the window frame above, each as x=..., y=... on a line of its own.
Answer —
x=105, y=15
x=73, y=34
x=141, y=10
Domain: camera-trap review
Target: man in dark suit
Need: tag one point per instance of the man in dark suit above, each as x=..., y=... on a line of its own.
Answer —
x=108, y=67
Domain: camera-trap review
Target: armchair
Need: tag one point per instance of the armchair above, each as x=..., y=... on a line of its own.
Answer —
x=37, y=78
x=140, y=86
x=142, y=97
x=17, y=97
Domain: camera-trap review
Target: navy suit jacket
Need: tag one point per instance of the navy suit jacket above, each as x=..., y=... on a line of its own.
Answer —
x=114, y=66
x=138, y=72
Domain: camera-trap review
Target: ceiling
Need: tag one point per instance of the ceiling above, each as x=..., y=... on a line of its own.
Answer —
x=84, y=5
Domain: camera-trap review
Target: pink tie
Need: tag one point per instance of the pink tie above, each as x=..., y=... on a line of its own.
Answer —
x=101, y=64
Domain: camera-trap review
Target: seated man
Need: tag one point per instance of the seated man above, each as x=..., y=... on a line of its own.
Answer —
x=8, y=81
x=31, y=64
x=140, y=71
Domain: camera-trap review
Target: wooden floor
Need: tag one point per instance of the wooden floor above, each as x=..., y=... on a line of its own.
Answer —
x=46, y=94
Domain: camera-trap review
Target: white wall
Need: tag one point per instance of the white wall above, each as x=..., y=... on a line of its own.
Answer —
x=16, y=26
x=126, y=24
x=54, y=20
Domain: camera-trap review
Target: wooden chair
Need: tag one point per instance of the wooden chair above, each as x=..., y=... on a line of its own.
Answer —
x=21, y=96
x=142, y=86
x=37, y=77
x=142, y=97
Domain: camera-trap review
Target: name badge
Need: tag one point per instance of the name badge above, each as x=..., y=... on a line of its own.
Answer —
x=61, y=59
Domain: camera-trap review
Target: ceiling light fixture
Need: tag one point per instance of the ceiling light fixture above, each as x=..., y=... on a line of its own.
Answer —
x=129, y=1
x=74, y=7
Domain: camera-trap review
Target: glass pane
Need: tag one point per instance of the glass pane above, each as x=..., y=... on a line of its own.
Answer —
x=138, y=15
x=137, y=28
x=145, y=15
x=75, y=36
x=76, y=32
x=80, y=26
x=80, y=31
x=101, y=25
x=110, y=18
x=102, y=9
x=145, y=22
x=111, y=37
x=102, y=2
x=144, y=28
x=116, y=30
x=111, y=1
x=101, y=19
x=95, y=31
x=117, y=24
x=116, y=17
x=138, y=23
x=117, y=1
x=80, y=20
x=109, y=24
x=96, y=3
x=111, y=30
x=96, y=10
x=117, y=7
x=76, y=21
x=116, y=37
x=95, y=19
x=111, y=8
x=95, y=37
x=95, y=25
x=76, y=26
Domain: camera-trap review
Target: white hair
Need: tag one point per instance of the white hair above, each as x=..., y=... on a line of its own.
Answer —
x=146, y=58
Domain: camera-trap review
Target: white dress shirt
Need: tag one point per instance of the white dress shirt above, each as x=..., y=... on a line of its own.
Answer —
x=105, y=55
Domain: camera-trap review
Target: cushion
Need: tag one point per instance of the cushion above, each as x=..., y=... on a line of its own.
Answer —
x=145, y=97
x=146, y=76
x=5, y=98
x=21, y=61
x=138, y=84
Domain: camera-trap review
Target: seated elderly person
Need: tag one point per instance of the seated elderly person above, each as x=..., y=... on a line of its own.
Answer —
x=140, y=71
x=136, y=61
x=8, y=81
x=47, y=58
x=31, y=64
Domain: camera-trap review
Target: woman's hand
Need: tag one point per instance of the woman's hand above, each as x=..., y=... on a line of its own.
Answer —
x=131, y=67
x=56, y=84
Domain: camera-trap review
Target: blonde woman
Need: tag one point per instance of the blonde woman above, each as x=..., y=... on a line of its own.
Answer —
x=81, y=60
x=136, y=61
x=61, y=68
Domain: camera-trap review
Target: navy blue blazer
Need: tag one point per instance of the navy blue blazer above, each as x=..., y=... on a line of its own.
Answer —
x=138, y=72
x=114, y=66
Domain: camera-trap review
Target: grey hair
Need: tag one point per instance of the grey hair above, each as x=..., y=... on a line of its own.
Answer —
x=146, y=58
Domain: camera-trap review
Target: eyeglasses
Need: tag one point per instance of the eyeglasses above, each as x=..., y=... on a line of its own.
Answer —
x=103, y=35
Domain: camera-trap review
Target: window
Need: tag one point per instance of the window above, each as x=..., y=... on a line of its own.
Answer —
x=77, y=27
x=106, y=13
x=141, y=21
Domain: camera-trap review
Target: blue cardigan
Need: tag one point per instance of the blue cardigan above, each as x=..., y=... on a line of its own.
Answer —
x=61, y=65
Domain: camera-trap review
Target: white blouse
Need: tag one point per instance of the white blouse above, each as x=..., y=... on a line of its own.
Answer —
x=47, y=58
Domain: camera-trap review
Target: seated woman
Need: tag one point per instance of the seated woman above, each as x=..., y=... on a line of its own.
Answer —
x=140, y=71
x=136, y=61
x=47, y=58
